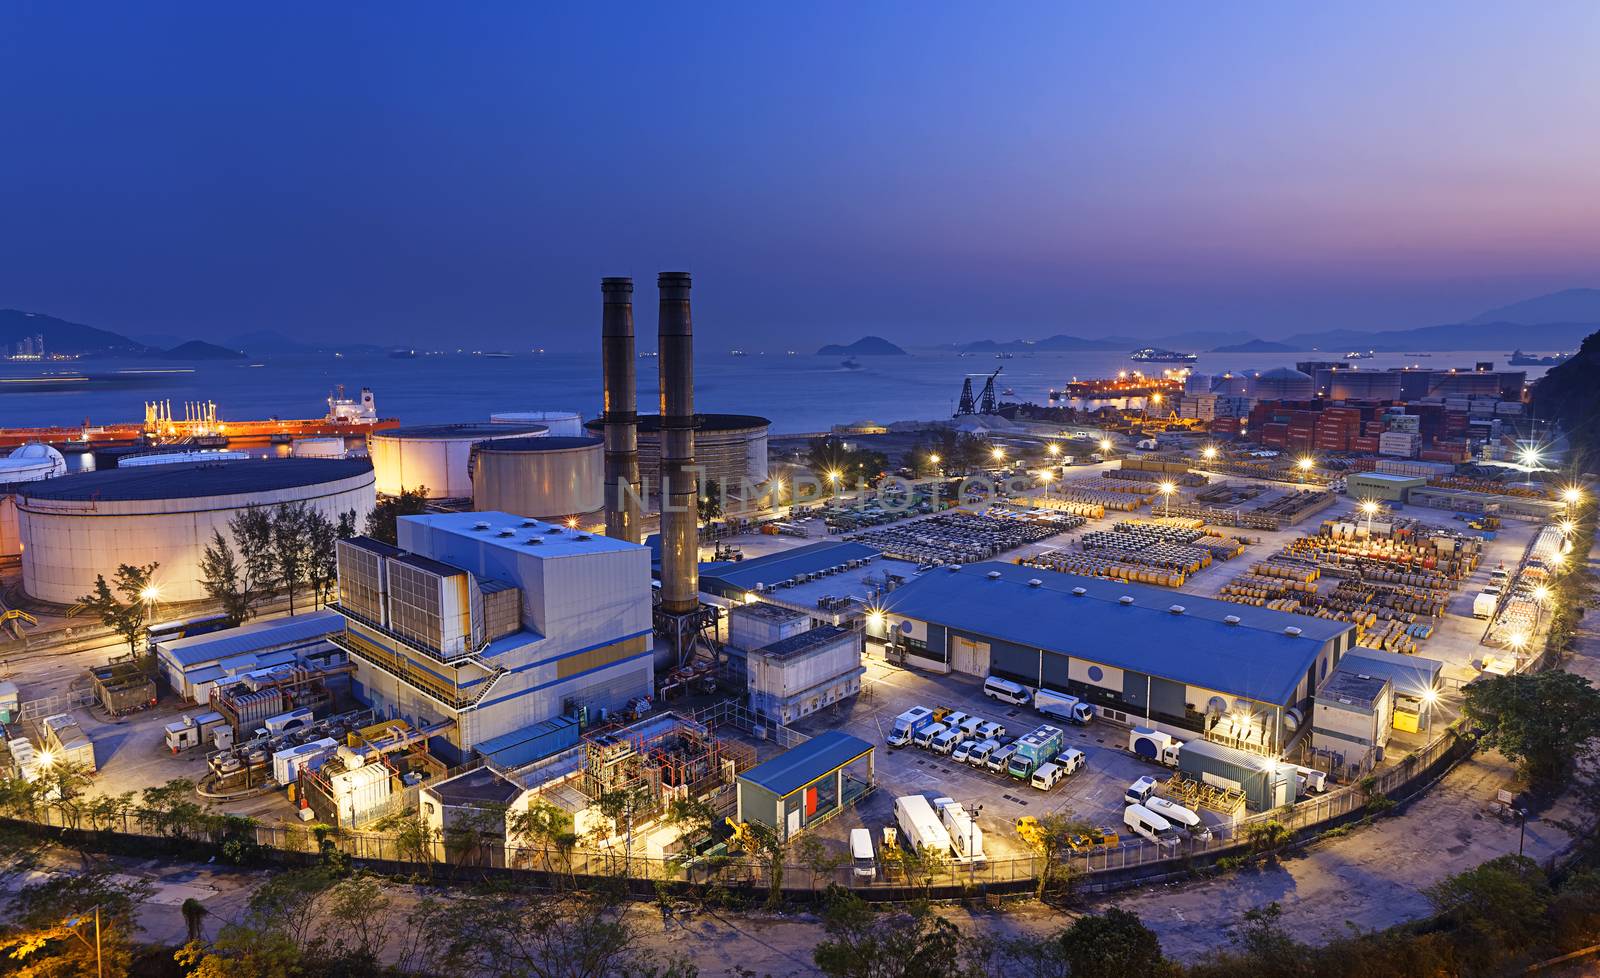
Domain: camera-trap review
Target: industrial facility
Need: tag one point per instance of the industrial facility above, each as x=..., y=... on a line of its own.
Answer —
x=76, y=527
x=436, y=457
x=494, y=623
x=1241, y=675
x=557, y=478
x=731, y=448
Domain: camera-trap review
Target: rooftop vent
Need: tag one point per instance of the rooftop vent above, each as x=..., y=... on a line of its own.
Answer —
x=585, y=536
x=1079, y=592
x=1231, y=620
x=1035, y=582
x=553, y=529
x=506, y=533
x=480, y=525
x=528, y=523
x=1292, y=631
x=955, y=567
x=1362, y=675
x=1126, y=599
x=993, y=575
x=534, y=542
x=1177, y=609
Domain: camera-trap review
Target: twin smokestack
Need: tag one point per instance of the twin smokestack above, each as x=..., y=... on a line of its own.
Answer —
x=680, y=541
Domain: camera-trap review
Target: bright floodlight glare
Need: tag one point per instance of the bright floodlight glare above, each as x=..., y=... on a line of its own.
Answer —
x=572, y=522
x=45, y=758
x=1168, y=488
x=1054, y=449
x=934, y=459
x=998, y=452
x=1369, y=507
x=1518, y=640
x=875, y=617
x=1306, y=463
x=1540, y=593
x=1105, y=444
x=833, y=475
x=1571, y=494
x=1429, y=697
x=150, y=593
x=1208, y=452
x=1530, y=456
x=1566, y=527
x=1046, y=475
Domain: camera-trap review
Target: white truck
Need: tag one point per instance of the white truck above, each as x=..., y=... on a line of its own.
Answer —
x=920, y=826
x=1154, y=745
x=1484, y=604
x=907, y=724
x=965, y=836
x=1069, y=708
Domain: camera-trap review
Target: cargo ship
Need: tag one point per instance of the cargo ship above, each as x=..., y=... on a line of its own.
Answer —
x=197, y=423
x=1519, y=359
x=1124, y=385
x=1151, y=354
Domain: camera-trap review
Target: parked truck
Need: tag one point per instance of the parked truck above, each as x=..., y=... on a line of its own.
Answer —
x=907, y=724
x=192, y=731
x=965, y=836
x=1069, y=708
x=1034, y=750
x=920, y=826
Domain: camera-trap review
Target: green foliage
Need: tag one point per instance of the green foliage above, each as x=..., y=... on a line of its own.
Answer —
x=1495, y=907
x=51, y=923
x=173, y=811
x=1268, y=837
x=1544, y=721
x=291, y=547
x=1050, y=840
x=121, y=605
x=382, y=522
x=225, y=580
x=710, y=501
x=863, y=944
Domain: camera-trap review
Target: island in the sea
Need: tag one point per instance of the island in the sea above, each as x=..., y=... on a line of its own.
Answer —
x=867, y=346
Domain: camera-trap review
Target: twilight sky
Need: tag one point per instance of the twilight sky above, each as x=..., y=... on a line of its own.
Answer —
x=444, y=174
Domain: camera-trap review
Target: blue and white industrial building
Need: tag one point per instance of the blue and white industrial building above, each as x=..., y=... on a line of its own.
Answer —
x=195, y=665
x=1238, y=675
x=495, y=623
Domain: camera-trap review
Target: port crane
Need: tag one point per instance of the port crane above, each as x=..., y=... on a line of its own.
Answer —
x=985, y=402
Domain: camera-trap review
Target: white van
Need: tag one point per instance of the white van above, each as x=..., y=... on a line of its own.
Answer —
x=972, y=725
x=862, y=863
x=925, y=736
x=963, y=751
x=1006, y=691
x=946, y=742
x=979, y=755
x=1047, y=776
x=1150, y=825
x=1178, y=816
x=1070, y=761
x=1000, y=759
x=989, y=729
x=955, y=719
x=1140, y=790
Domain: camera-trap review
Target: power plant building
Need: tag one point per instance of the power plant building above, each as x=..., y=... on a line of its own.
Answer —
x=77, y=527
x=494, y=622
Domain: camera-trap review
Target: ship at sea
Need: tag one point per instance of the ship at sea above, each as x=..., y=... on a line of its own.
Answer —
x=1357, y=355
x=850, y=363
x=1519, y=359
x=1151, y=354
x=403, y=354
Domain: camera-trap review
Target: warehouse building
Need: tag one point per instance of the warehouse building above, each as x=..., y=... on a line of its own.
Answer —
x=194, y=666
x=494, y=623
x=77, y=527
x=1381, y=486
x=831, y=582
x=1188, y=665
x=806, y=785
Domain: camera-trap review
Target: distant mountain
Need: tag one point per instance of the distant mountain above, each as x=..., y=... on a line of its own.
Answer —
x=1256, y=346
x=159, y=341
x=1566, y=306
x=199, y=350
x=1050, y=344
x=1456, y=336
x=1201, y=339
x=867, y=346
x=61, y=336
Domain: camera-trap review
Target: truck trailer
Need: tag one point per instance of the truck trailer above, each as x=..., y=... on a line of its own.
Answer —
x=966, y=839
x=1034, y=750
x=920, y=826
x=1069, y=708
x=908, y=724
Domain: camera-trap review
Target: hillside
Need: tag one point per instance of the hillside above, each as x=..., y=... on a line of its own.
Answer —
x=199, y=350
x=61, y=336
x=1566, y=306
x=1255, y=346
x=1457, y=336
x=867, y=346
x=1050, y=344
x=1567, y=396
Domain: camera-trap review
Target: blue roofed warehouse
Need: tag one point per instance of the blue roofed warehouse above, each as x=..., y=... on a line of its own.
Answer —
x=807, y=784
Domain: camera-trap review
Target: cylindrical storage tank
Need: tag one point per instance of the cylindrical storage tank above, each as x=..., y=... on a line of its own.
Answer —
x=80, y=526
x=436, y=457
x=318, y=448
x=561, y=424
x=1285, y=384
x=1197, y=384
x=730, y=448
x=547, y=478
x=1374, y=385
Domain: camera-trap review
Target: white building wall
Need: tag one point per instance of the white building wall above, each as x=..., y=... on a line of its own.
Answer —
x=66, y=543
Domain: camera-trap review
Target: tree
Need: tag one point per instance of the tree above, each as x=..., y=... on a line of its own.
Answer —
x=64, y=783
x=1268, y=837
x=291, y=547
x=194, y=916
x=863, y=944
x=383, y=521
x=225, y=581
x=322, y=555
x=1050, y=838
x=252, y=535
x=710, y=501
x=52, y=923
x=536, y=825
x=768, y=847
x=171, y=809
x=1268, y=948
x=1498, y=906
x=819, y=857
x=1114, y=944
x=939, y=442
x=126, y=615
x=1544, y=721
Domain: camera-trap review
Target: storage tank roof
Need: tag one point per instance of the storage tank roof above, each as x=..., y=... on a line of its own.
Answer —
x=192, y=480
x=707, y=422
x=1284, y=373
x=549, y=443
x=468, y=432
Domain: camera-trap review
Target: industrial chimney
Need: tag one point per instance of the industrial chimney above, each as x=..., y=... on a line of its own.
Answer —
x=620, y=415
x=680, y=532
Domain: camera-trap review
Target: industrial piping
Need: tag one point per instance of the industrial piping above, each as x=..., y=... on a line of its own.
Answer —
x=620, y=414
x=680, y=532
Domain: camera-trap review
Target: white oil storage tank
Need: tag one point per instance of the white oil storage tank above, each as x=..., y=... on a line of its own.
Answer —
x=562, y=424
x=551, y=478
x=436, y=457
x=27, y=463
x=318, y=448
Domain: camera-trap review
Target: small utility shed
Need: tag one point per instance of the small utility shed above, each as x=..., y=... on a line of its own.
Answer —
x=194, y=665
x=1415, y=680
x=1382, y=486
x=1265, y=782
x=803, y=786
